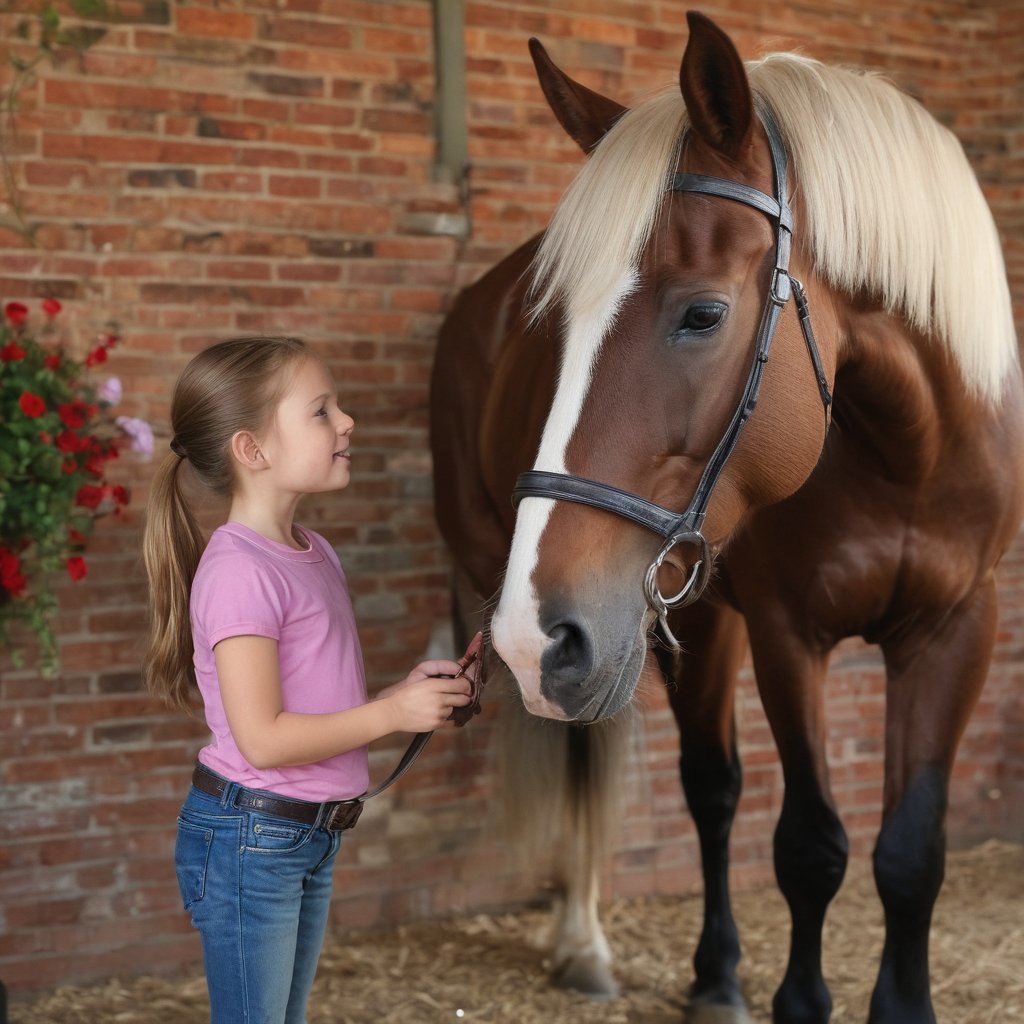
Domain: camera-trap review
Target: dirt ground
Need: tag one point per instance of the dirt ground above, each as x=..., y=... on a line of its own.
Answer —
x=490, y=969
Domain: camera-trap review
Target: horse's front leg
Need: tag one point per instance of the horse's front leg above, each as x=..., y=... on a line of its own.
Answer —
x=702, y=685
x=934, y=679
x=811, y=847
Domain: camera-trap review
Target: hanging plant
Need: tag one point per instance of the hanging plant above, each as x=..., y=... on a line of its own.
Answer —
x=58, y=436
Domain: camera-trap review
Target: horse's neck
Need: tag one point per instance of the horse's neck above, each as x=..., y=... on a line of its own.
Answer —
x=895, y=389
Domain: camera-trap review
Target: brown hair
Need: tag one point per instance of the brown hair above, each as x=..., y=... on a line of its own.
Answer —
x=231, y=386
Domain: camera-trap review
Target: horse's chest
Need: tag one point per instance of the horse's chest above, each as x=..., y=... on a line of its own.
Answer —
x=849, y=559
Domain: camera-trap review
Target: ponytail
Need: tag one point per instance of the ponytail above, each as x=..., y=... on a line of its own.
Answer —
x=171, y=547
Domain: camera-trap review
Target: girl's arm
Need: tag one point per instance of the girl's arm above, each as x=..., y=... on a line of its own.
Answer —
x=270, y=737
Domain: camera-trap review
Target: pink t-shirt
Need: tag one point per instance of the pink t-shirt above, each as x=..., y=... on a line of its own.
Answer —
x=247, y=585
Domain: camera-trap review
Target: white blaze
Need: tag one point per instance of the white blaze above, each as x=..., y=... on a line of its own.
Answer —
x=515, y=628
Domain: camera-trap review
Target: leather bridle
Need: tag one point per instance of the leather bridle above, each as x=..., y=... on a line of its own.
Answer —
x=685, y=528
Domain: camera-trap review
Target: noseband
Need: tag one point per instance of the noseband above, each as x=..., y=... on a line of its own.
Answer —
x=685, y=528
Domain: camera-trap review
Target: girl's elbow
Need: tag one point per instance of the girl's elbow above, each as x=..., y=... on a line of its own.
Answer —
x=261, y=756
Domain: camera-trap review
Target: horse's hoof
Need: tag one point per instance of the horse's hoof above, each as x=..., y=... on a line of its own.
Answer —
x=716, y=1013
x=586, y=974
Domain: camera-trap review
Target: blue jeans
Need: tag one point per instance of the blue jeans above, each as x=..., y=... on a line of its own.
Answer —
x=259, y=889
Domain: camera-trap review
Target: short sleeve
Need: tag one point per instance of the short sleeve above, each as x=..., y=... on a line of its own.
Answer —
x=233, y=595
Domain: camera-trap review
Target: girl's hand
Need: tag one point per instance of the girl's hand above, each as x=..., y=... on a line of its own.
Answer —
x=423, y=702
x=425, y=668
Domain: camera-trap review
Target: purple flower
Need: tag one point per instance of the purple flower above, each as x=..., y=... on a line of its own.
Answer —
x=110, y=391
x=139, y=431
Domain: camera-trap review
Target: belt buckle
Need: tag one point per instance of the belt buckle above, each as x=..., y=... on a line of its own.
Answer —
x=343, y=816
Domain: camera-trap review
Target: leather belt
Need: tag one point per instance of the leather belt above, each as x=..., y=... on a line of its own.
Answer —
x=334, y=816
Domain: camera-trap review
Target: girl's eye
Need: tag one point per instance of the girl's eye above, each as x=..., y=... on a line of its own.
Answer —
x=701, y=318
x=322, y=411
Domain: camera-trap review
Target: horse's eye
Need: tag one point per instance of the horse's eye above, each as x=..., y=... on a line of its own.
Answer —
x=701, y=318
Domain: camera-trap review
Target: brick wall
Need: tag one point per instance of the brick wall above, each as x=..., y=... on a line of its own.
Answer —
x=208, y=170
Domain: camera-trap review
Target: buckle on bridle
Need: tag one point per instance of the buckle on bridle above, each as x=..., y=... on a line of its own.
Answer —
x=781, y=288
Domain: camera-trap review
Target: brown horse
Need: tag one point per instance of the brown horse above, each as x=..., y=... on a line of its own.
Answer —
x=864, y=480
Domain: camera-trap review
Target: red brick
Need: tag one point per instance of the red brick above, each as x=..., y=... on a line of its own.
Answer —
x=238, y=270
x=395, y=42
x=262, y=156
x=307, y=187
x=230, y=181
x=311, y=33
x=203, y=21
x=409, y=122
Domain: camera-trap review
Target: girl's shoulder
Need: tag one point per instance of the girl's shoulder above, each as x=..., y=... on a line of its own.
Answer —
x=229, y=556
x=230, y=542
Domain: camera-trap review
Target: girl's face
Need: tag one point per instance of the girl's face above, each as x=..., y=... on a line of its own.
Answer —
x=307, y=443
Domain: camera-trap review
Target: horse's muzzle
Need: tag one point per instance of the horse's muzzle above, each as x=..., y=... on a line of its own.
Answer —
x=582, y=678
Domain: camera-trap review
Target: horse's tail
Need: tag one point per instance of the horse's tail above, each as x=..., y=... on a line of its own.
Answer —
x=560, y=788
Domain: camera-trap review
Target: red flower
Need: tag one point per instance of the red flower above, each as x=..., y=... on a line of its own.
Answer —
x=76, y=567
x=120, y=494
x=69, y=441
x=11, y=579
x=51, y=307
x=15, y=312
x=72, y=414
x=95, y=465
x=96, y=356
x=89, y=496
x=52, y=361
x=12, y=352
x=76, y=536
x=31, y=405
x=69, y=466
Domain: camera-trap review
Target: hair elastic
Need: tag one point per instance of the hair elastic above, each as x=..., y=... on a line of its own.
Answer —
x=177, y=448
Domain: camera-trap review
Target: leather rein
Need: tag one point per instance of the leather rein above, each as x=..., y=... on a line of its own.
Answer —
x=677, y=528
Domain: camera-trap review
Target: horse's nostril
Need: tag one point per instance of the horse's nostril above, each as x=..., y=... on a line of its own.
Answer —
x=569, y=658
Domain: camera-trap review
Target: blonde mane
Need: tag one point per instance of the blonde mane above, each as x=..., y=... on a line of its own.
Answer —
x=890, y=202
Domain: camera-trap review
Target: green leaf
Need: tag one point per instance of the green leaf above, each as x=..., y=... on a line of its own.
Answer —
x=49, y=18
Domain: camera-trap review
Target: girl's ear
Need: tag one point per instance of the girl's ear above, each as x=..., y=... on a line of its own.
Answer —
x=246, y=451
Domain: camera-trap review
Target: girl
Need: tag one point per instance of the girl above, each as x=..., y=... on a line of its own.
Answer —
x=261, y=623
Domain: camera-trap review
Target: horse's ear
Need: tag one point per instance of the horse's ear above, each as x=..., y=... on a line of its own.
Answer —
x=583, y=113
x=715, y=87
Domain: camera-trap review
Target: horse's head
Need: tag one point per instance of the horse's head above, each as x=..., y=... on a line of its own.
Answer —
x=662, y=260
